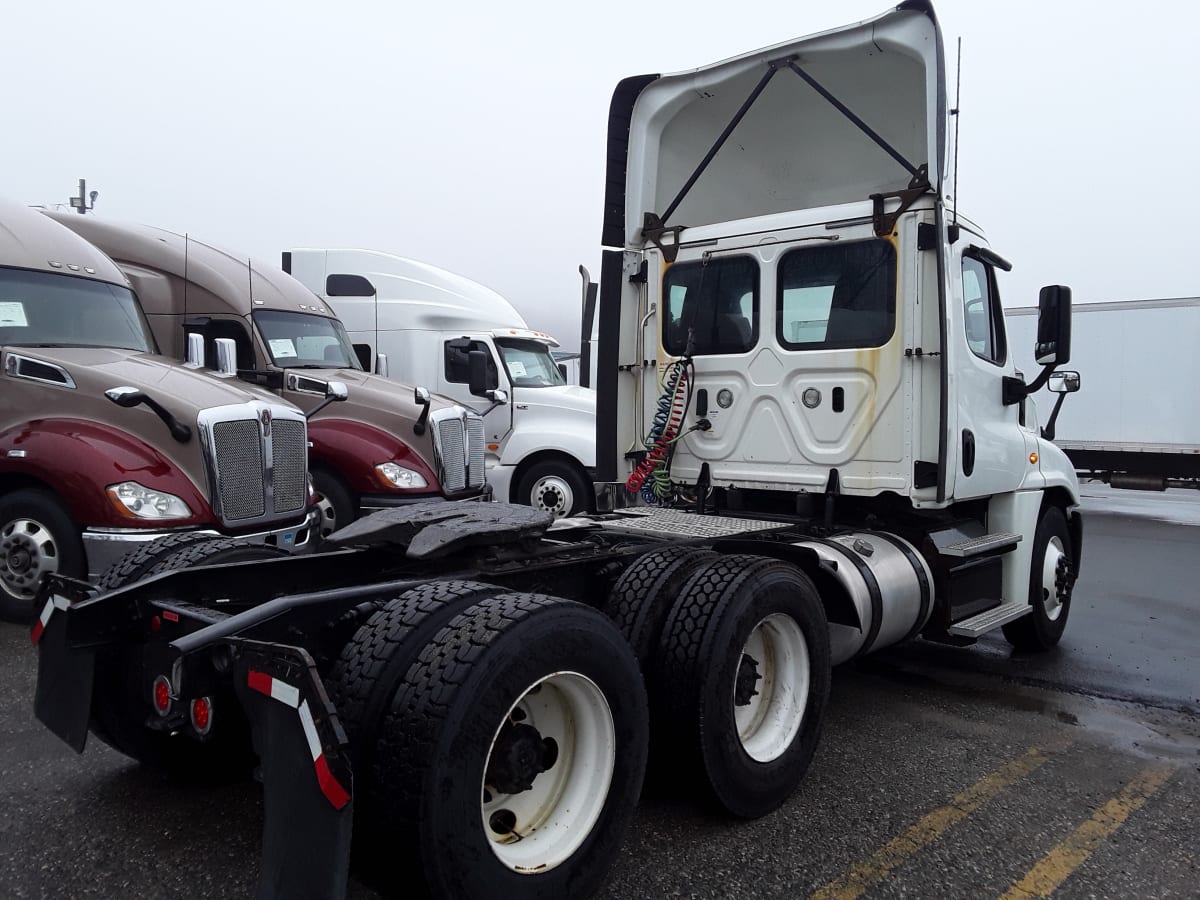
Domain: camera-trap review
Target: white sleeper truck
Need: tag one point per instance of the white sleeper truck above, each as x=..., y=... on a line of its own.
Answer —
x=802, y=374
x=427, y=325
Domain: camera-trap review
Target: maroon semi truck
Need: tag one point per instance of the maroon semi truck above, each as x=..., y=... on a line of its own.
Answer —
x=104, y=444
x=387, y=445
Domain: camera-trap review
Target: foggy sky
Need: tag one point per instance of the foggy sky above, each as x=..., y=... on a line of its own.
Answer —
x=472, y=135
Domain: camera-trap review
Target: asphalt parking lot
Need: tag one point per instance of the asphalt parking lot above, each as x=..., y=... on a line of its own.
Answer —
x=942, y=772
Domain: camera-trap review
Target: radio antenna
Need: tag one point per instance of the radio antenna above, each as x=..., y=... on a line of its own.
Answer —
x=957, y=124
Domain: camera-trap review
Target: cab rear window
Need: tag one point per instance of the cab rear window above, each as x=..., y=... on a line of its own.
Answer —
x=837, y=295
x=711, y=306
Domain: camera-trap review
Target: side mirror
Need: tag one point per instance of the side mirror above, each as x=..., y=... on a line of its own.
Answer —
x=1064, y=382
x=422, y=397
x=477, y=372
x=498, y=397
x=335, y=391
x=562, y=370
x=1054, y=326
x=125, y=396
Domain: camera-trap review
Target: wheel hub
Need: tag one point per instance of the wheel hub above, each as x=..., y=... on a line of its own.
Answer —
x=1063, y=582
x=519, y=756
x=746, y=687
x=27, y=551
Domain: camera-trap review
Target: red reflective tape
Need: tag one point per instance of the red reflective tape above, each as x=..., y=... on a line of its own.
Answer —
x=334, y=792
x=259, y=681
x=170, y=616
x=38, y=628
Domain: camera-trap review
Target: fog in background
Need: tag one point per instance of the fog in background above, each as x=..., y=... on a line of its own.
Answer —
x=472, y=135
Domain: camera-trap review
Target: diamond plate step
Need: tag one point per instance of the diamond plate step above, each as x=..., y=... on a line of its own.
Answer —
x=979, y=625
x=976, y=546
x=678, y=523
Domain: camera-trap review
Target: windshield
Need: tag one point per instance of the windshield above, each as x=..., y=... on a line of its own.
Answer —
x=302, y=341
x=44, y=309
x=529, y=363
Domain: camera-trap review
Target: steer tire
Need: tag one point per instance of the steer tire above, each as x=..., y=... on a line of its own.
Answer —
x=701, y=658
x=121, y=690
x=368, y=671
x=436, y=742
x=1037, y=631
x=43, y=513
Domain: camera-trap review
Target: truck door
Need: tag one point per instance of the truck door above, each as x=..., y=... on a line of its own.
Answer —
x=988, y=437
x=454, y=378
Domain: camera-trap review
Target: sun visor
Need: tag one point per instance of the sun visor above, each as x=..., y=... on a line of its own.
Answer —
x=818, y=121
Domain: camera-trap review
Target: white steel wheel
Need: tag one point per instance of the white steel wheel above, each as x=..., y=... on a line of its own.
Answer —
x=1054, y=566
x=28, y=551
x=772, y=687
x=548, y=773
x=552, y=494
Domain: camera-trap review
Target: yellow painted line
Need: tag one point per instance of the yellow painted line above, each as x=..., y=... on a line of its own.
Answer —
x=932, y=825
x=1057, y=865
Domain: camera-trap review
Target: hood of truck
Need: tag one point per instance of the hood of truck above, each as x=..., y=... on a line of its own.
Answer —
x=372, y=399
x=792, y=149
x=566, y=397
x=183, y=391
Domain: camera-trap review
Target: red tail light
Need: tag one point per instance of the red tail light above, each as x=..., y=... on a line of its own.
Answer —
x=162, y=695
x=201, y=715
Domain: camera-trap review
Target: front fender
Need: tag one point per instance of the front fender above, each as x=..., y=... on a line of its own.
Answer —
x=354, y=449
x=571, y=438
x=80, y=458
x=1054, y=470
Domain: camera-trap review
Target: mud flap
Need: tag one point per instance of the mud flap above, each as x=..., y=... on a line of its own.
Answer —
x=306, y=777
x=62, y=700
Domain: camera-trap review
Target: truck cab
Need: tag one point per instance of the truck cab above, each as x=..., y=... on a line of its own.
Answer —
x=797, y=322
x=427, y=322
x=104, y=443
x=386, y=445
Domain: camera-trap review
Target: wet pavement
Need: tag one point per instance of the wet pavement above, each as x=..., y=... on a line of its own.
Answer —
x=942, y=772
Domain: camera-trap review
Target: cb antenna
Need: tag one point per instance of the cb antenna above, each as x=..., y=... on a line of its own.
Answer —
x=957, y=124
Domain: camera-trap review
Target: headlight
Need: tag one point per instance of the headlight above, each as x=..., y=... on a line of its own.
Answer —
x=140, y=502
x=398, y=476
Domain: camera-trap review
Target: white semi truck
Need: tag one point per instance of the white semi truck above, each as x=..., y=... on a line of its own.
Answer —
x=426, y=325
x=802, y=366
x=1136, y=422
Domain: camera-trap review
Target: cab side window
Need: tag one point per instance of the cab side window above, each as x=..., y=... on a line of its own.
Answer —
x=983, y=318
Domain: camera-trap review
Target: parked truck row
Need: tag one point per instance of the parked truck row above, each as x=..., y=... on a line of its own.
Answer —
x=801, y=364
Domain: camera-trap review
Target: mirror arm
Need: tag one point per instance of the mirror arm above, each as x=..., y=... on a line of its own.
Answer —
x=1048, y=429
x=420, y=425
x=1015, y=389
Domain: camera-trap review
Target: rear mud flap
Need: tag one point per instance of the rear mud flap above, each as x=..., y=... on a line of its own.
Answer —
x=62, y=700
x=306, y=777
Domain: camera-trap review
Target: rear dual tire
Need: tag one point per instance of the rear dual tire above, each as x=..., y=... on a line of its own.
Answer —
x=735, y=650
x=511, y=758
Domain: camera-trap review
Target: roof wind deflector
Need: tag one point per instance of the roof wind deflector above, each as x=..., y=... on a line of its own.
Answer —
x=655, y=228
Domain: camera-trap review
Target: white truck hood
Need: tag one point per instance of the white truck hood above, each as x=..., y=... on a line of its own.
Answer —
x=793, y=149
x=567, y=397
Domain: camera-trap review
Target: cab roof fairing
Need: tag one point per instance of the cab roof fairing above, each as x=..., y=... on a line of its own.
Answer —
x=793, y=149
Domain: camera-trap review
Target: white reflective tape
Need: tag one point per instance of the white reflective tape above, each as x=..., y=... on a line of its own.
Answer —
x=46, y=612
x=285, y=693
x=60, y=602
x=310, y=730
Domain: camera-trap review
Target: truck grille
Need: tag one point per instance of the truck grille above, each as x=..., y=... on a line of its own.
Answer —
x=290, y=453
x=258, y=461
x=240, y=464
x=458, y=442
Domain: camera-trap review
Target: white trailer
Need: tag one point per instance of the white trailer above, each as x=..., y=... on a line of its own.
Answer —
x=1136, y=420
x=423, y=325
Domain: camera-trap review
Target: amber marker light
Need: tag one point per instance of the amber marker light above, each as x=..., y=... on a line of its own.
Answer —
x=1033, y=458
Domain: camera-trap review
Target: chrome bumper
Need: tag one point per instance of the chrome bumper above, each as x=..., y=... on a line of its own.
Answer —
x=104, y=546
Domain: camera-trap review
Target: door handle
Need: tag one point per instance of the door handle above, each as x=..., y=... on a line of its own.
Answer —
x=968, y=451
